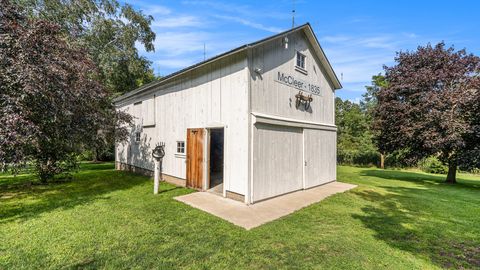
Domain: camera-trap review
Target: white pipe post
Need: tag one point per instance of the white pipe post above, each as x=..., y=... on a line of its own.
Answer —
x=156, y=178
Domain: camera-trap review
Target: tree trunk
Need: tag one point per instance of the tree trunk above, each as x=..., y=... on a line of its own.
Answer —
x=96, y=156
x=45, y=170
x=382, y=161
x=452, y=172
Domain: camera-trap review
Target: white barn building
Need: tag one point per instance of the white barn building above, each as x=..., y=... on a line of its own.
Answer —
x=250, y=124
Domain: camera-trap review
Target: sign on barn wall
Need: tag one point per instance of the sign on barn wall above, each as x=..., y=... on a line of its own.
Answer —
x=297, y=83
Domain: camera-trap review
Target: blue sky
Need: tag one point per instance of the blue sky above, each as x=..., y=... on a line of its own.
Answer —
x=359, y=37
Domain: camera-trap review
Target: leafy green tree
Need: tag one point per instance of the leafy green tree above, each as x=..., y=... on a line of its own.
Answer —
x=355, y=145
x=431, y=106
x=51, y=104
x=109, y=31
x=369, y=103
x=369, y=98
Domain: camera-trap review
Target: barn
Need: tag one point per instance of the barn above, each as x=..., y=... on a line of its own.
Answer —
x=250, y=124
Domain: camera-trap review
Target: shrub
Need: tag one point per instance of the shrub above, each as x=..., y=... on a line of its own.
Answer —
x=397, y=159
x=357, y=157
x=103, y=155
x=86, y=155
x=433, y=165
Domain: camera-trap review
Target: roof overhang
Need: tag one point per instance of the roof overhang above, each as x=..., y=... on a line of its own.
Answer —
x=305, y=27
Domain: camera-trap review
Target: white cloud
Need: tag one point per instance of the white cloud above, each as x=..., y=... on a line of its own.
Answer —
x=250, y=23
x=359, y=57
x=242, y=14
x=410, y=35
x=179, y=21
x=177, y=50
x=243, y=10
x=355, y=100
x=177, y=43
x=153, y=9
x=357, y=87
x=231, y=8
x=335, y=39
x=173, y=63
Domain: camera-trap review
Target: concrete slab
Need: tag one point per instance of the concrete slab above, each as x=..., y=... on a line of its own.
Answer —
x=251, y=216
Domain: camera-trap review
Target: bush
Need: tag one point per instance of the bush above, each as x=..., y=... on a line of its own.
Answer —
x=107, y=155
x=357, y=157
x=397, y=160
x=433, y=165
x=103, y=155
x=86, y=155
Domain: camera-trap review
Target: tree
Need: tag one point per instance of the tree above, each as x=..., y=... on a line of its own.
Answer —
x=431, y=106
x=369, y=103
x=109, y=31
x=355, y=145
x=50, y=102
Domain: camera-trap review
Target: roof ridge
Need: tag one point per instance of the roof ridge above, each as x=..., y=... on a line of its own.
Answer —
x=214, y=58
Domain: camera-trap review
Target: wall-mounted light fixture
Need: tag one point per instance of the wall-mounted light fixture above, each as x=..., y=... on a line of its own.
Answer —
x=258, y=71
x=285, y=42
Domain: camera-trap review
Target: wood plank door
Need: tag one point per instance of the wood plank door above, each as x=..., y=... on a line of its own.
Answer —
x=195, y=140
x=320, y=157
x=278, y=160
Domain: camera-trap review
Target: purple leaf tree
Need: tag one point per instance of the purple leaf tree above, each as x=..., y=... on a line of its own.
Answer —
x=431, y=106
x=50, y=104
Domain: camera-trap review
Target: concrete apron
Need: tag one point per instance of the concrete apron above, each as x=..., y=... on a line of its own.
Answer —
x=251, y=216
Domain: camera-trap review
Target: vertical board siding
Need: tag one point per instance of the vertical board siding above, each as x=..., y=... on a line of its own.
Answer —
x=148, y=112
x=320, y=155
x=214, y=95
x=274, y=98
x=273, y=174
x=217, y=95
x=278, y=160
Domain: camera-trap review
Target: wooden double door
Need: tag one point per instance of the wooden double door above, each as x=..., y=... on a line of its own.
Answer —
x=287, y=159
x=195, y=157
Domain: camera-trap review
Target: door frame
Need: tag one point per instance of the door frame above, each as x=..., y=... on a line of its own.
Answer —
x=207, y=158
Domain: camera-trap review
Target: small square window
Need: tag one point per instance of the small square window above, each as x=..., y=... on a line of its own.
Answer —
x=138, y=136
x=180, y=147
x=301, y=60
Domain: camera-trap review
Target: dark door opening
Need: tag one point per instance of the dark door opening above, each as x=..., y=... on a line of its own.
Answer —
x=216, y=160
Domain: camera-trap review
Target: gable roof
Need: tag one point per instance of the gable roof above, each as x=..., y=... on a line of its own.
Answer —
x=307, y=28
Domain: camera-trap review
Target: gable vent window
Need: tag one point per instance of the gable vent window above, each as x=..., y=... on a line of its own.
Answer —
x=138, y=136
x=301, y=60
x=180, y=147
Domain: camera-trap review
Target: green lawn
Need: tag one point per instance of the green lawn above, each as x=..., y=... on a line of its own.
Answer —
x=108, y=219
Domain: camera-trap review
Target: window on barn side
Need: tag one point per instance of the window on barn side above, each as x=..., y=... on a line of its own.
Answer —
x=301, y=60
x=138, y=136
x=180, y=147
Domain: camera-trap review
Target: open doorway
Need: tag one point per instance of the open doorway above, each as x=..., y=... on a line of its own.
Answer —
x=216, y=160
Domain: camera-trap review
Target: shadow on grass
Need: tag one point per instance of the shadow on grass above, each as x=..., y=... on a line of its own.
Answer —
x=420, y=178
x=25, y=178
x=166, y=190
x=434, y=220
x=97, y=166
x=20, y=202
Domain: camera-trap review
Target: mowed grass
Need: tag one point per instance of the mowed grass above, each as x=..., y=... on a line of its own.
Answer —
x=104, y=218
